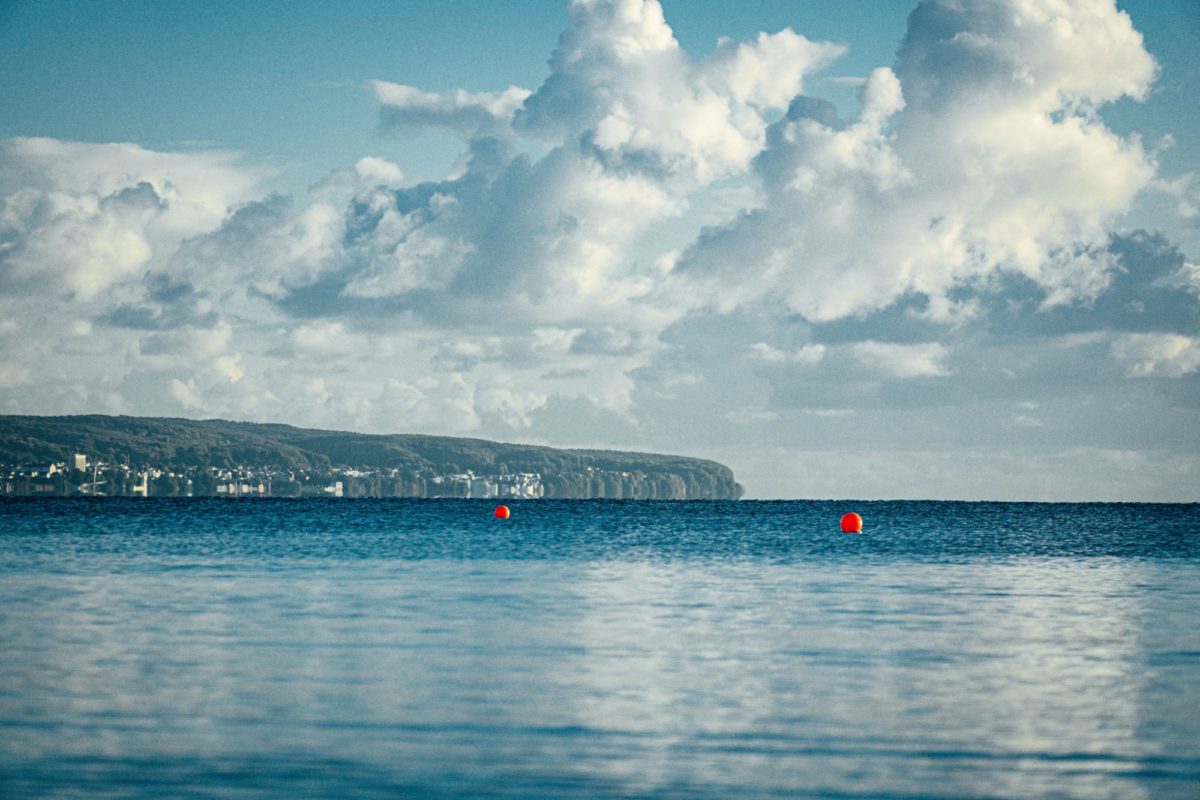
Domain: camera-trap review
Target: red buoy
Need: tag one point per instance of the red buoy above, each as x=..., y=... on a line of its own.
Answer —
x=851, y=523
x=502, y=512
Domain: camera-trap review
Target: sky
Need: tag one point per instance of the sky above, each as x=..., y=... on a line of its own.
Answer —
x=850, y=249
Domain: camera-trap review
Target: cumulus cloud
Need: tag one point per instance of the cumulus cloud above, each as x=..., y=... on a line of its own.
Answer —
x=941, y=180
x=627, y=130
x=770, y=71
x=620, y=82
x=630, y=128
x=77, y=218
x=379, y=171
x=981, y=152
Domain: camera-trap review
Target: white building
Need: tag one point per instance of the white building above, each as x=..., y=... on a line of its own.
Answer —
x=482, y=487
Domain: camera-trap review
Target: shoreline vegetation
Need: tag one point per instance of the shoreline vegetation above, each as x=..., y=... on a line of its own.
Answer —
x=121, y=456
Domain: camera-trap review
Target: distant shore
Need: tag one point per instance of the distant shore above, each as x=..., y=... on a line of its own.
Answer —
x=117, y=456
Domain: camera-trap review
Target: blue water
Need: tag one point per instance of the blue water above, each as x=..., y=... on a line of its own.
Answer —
x=372, y=649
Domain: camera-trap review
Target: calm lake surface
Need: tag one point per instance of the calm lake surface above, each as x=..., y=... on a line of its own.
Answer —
x=372, y=649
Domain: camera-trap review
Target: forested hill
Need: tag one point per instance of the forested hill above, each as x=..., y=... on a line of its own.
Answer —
x=183, y=444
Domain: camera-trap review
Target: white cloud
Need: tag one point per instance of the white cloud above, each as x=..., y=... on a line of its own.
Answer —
x=1166, y=355
x=231, y=367
x=327, y=339
x=808, y=354
x=78, y=218
x=765, y=352
x=982, y=153
x=379, y=170
x=627, y=130
x=621, y=82
x=770, y=71
x=186, y=395
x=902, y=360
x=1187, y=278
x=469, y=113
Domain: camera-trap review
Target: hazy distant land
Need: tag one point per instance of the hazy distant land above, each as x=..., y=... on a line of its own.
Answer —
x=121, y=456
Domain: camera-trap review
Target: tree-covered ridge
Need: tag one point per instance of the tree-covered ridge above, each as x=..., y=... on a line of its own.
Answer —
x=183, y=444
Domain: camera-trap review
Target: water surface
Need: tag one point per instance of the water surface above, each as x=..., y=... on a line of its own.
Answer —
x=324, y=648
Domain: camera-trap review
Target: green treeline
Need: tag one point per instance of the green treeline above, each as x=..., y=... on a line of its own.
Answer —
x=397, y=465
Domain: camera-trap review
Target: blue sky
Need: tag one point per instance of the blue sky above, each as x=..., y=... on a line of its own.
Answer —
x=250, y=78
x=961, y=264
x=172, y=75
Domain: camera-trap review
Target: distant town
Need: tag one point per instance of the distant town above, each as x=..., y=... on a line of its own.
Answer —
x=82, y=476
x=95, y=455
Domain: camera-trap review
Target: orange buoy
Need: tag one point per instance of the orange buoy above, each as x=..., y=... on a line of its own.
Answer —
x=851, y=523
x=502, y=512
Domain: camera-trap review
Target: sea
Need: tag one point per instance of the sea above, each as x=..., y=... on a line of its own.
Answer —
x=324, y=648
